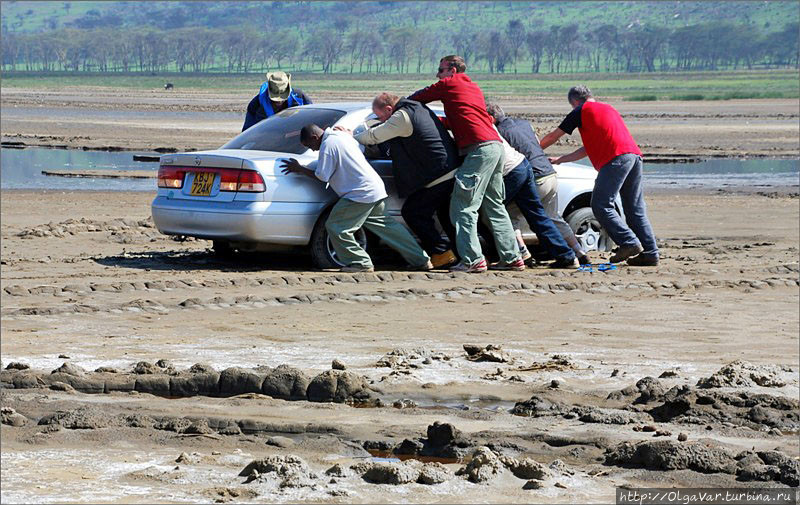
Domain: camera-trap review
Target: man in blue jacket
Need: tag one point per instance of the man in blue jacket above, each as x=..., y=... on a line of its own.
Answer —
x=276, y=94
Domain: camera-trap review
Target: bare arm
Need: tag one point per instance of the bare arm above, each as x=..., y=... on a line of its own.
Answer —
x=551, y=138
x=573, y=156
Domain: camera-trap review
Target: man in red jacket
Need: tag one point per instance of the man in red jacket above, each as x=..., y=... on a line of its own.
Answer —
x=479, y=179
x=618, y=161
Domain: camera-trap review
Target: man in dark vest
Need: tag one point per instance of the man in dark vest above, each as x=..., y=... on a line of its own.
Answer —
x=276, y=94
x=424, y=160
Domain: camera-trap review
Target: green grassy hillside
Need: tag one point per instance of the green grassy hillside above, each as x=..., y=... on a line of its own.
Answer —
x=35, y=16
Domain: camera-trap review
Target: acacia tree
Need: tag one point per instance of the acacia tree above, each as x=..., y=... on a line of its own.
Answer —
x=516, y=37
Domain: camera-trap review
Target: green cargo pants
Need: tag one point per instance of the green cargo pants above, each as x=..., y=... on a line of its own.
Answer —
x=479, y=188
x=348, y=216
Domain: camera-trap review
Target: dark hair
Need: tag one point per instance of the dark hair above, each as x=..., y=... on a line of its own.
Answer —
x=495, y=111
x=309, y=131
x=457, y=62
x=580, y=93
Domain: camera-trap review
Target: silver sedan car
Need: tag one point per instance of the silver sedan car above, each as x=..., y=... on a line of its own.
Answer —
x=237, y=196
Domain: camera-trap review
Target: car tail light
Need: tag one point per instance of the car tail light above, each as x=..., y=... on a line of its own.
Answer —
x=251, y=181
x=170, y=177
x=228, y=179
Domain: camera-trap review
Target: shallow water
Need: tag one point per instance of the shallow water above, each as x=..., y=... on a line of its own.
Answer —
x=22, y=169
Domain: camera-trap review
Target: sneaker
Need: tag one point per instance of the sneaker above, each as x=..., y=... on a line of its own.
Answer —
x=352, y=269
x=475, y=268
x=640, y=260
x=420, y=268
x=584, y=260
x=565, y=263
x=622, y=253
x=517, y=265
x=524, y=252
x=443, y=259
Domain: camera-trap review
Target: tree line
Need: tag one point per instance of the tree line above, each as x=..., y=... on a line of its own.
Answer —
x=343, y=48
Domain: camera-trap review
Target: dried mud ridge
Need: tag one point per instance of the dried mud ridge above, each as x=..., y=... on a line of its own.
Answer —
x=645, y=406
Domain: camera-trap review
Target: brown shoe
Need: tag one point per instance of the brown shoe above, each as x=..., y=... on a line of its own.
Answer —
x=443, y=260
x=640, y=260
x=624, y=252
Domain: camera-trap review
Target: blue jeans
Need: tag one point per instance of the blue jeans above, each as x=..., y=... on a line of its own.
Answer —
x=520, y=186
x=623, y=175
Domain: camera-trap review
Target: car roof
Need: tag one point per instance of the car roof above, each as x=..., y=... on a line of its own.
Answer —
x=352, y=106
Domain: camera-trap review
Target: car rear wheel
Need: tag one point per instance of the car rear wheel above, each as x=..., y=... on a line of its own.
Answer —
x=323, y=254
x=587, y=229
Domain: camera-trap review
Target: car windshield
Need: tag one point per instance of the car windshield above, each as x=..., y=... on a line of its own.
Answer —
x=281, y=132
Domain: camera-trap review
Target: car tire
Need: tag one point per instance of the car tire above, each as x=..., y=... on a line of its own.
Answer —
x=322, y=253
x=223, y=249
x=590, y=234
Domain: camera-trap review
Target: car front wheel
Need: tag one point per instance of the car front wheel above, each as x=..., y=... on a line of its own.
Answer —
x=591, y=236
x=323, y=255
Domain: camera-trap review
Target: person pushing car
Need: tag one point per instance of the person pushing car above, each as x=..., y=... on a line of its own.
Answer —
x=362, y=200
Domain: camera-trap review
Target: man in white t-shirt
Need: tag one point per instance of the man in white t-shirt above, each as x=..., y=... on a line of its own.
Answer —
x=362, y=200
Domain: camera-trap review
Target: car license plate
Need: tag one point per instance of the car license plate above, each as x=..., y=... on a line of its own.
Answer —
x=201, y=185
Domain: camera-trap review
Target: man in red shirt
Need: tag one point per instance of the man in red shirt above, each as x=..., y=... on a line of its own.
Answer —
x=618, y=160
x=479, y=179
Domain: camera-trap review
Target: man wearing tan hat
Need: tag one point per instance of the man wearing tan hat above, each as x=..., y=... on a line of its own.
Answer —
x=275, y=95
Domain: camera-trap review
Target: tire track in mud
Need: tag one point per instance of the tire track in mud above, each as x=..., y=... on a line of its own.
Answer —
x=501, y=287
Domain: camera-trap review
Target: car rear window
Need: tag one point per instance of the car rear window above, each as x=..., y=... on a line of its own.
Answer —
x=281, y=132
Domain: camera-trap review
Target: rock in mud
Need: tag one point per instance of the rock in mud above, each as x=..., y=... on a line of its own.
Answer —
x=526, y=468
x=144, y=367
x=338, y=470
x=538, y=406
x=338, y=365
x=200, y=368
x=671, y=455
x=491, y=353
x=282, y=466
x=11, y=417
x=227, y=494
x=17, y=365
x=743, y=373
x=408, y=447
x=610, y=416
x=235, y=381
x=62, y=386
x=83, y=418
x=684, y=404
x=484, y=466
x=279, y=441
x=70, y=369
x=434, y=473
x=338, y=386
x=286, y=383
x=391, y=473
x=106, y=369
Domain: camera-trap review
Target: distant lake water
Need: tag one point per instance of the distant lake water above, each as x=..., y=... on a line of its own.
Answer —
x=22, y=169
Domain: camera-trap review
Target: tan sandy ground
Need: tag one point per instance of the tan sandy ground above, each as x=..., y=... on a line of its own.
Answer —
x=110, y=291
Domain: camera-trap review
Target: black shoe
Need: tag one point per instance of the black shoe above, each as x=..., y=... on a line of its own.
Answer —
x=565, y=263
x=624, y=252
x=584, y=260
x=640, y=260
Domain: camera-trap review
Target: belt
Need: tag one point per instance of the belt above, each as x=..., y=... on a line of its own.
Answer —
x=449, y=175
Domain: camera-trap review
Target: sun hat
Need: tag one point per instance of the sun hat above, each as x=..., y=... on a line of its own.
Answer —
x=278, y=87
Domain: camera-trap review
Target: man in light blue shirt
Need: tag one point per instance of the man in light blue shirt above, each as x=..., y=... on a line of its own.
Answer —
x=362, y=200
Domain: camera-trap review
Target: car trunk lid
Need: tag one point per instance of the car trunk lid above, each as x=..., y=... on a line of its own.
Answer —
x=203, y=176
